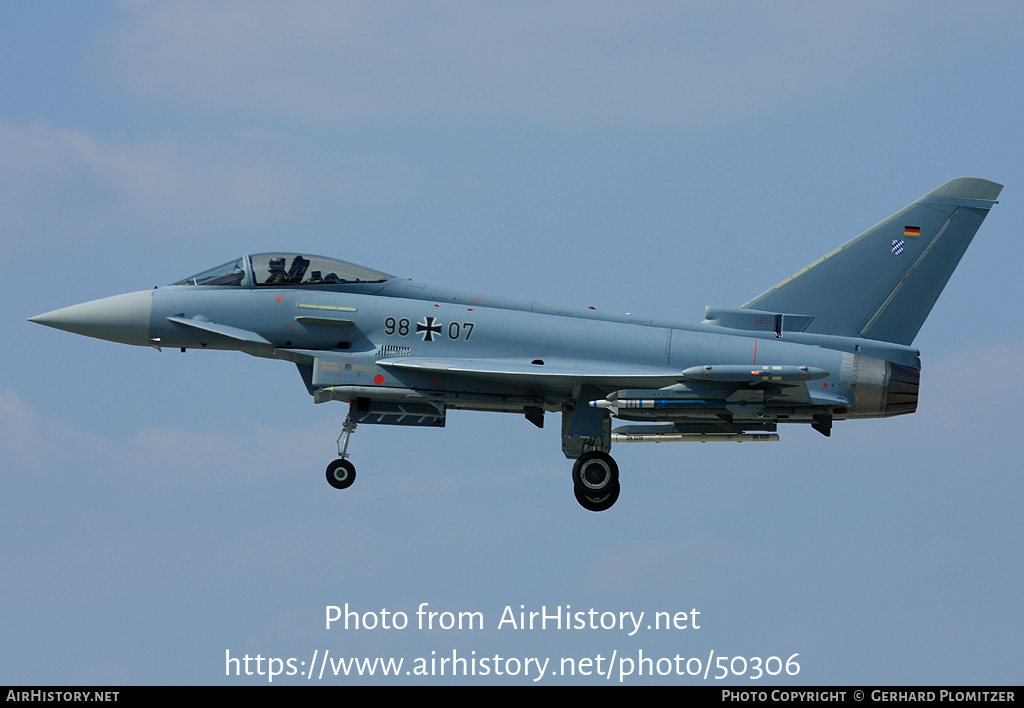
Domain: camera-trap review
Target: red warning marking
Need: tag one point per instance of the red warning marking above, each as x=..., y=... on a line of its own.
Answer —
x=279, y=298
x=378, y=379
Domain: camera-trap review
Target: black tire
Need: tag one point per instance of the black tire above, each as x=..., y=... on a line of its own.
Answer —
x=341, y=474
x=600, y=502
x=595, y=472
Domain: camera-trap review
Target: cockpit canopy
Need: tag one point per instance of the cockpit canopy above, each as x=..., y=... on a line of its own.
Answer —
x=285, y=268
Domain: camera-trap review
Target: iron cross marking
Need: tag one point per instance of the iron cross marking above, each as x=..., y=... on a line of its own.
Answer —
x=428, y=329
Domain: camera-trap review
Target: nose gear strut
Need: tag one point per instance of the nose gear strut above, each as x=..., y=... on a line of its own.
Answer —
x=341, y=473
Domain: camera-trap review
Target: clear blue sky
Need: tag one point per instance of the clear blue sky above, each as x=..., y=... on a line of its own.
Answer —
x=161, y=509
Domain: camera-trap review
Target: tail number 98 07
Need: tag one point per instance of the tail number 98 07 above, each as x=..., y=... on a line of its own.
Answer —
x=429, y=328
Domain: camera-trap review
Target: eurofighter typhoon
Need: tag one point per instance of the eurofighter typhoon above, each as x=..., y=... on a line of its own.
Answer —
x=830, y=343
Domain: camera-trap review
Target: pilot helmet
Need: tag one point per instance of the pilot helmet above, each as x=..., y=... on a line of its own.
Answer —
x=277, y=264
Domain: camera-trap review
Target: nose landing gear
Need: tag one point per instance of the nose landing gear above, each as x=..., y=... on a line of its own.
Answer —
x=341, y=473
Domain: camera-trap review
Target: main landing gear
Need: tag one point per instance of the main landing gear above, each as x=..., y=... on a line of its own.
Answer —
x=341, y=473
x=595, y=481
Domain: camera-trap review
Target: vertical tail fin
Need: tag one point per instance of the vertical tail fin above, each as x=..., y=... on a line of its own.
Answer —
x=882, y=284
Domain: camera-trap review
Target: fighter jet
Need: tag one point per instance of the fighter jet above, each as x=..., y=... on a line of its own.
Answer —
x=830, y=343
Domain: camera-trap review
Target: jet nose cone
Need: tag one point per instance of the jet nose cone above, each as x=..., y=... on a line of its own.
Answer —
x=122, y=318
